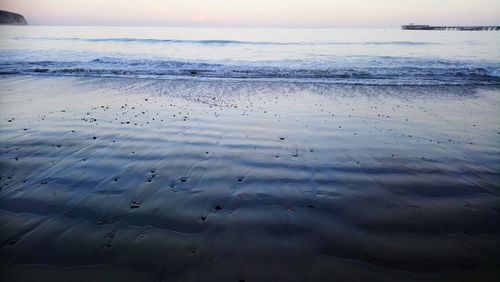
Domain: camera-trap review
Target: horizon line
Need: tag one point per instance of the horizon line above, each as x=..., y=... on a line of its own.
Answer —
x=244, y=26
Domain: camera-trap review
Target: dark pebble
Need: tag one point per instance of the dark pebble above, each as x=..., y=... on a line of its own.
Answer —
x=12, y=242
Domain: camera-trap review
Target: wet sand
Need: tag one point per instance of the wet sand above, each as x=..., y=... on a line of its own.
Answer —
x=182, y=180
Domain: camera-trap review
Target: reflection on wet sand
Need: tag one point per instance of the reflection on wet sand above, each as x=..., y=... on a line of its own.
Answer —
x=247, y=181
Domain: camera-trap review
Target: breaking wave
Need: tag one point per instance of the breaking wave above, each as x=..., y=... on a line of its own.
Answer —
x=342, y=70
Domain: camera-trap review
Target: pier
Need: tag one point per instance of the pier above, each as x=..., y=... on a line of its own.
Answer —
x=460, y=28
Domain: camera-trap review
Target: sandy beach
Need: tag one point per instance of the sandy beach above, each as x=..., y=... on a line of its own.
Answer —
x=209, y=180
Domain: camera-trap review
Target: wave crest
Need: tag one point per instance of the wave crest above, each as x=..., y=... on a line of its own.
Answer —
x=368, y=71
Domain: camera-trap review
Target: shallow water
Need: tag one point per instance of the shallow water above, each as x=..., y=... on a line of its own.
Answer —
x=189, y=180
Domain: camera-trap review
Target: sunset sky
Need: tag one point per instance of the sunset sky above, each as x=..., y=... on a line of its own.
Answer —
x=257, y=13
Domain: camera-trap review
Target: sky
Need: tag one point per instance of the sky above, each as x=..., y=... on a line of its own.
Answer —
x=257, y=13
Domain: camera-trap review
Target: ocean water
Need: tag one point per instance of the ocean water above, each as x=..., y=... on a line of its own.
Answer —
x=339, y=56
x=179, y=154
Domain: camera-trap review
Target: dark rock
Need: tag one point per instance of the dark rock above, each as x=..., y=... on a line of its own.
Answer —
x=8, y=18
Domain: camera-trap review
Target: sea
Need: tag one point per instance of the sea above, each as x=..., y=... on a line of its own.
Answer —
x=241, y=154
x=351, y=56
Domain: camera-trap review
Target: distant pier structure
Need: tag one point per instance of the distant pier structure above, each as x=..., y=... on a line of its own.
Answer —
x=461, y=28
